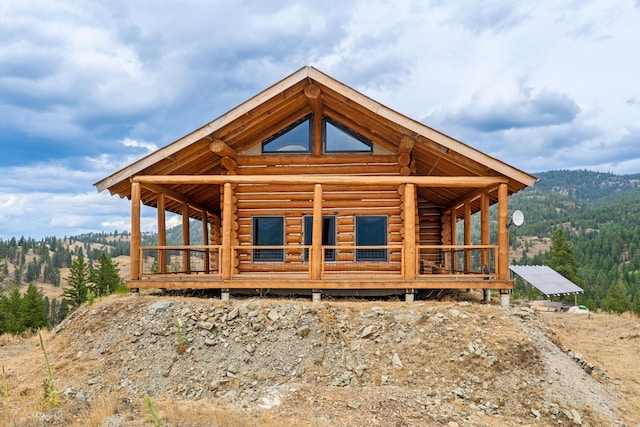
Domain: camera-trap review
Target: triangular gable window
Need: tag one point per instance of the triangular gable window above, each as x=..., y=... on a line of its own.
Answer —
x=294, y=139
x=340, y=139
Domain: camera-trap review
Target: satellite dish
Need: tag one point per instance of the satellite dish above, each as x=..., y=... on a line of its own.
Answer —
x=517, y=218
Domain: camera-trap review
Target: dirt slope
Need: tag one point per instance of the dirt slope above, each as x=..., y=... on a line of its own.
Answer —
x=292, y=362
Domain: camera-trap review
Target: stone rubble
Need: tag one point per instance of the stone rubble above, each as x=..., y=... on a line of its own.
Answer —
x=256, y=353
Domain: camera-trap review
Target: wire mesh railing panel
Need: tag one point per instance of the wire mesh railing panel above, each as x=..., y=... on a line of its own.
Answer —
x=271, y=259
x=159, y=260
x=362, y=260
x=449, y=259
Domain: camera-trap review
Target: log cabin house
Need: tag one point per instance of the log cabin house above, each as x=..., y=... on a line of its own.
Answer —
x=312, y=185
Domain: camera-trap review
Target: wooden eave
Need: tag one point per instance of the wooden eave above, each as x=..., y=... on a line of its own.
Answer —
x=434, y=153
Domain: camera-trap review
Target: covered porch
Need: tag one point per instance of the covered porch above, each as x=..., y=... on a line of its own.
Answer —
x=410, y=264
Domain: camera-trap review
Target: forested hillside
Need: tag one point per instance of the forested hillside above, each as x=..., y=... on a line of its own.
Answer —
x=599, y=214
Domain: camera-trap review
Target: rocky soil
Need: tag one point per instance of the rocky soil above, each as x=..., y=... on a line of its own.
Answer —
x=293, y=362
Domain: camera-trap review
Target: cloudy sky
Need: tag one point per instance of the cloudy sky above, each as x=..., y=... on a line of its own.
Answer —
x=87, y=88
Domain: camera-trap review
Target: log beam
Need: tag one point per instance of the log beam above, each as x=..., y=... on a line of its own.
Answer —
x=420, y=181
x=314, y=95
x=406, y=145
x=221, y=148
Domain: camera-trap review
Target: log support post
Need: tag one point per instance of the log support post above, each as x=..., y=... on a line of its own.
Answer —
x=205, y=240
x=316, y=237
x=162, y=234
x=410, y=259
x=186, y=240
x=227, y=217
x=454, y=239
x=485, y=239
x=135, y=234
x=503, y=241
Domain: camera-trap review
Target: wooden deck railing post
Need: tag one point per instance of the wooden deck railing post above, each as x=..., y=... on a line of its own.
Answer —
x=186, y=239
x=316, y=237
x=467, y=236
x=409, y=258
x=205, y=241
x=484, y=228
x=227, y=215
x=162, y=234
x=454, y=239
x=135, y=232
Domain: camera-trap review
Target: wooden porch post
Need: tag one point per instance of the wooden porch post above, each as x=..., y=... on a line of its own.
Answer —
x=227, y=215
x=410, y=260
x=503, y=233
x=454, y=239
x=134, y=245
x=186, y=240
x=485, y=239
x=316, y=237
x=162, y=234
x=467, y=236
x=205, y=241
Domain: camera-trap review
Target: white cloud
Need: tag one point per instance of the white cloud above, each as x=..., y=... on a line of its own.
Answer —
x=148, y=146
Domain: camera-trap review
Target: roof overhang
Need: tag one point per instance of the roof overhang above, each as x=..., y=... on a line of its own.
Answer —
x=434, y=153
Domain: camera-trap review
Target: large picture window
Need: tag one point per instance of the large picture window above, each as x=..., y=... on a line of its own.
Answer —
x=328, y=235
x=371, y=230
x=268, y=231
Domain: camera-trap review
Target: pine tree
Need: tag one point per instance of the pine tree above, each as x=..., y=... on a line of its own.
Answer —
x=78, y=284
x=12, y=312
x=105, y=275
x=562, y=258
x=617, y=300
x=34, y=314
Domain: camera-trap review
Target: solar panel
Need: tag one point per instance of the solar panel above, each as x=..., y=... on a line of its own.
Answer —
x=546, y=280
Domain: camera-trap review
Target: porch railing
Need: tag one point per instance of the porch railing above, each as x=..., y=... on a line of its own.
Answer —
x=157, y=261
x=337, y=261
x=457, y=259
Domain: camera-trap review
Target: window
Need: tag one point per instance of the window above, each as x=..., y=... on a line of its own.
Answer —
x=297, y=138
x=371, y=230
x=268, y=231
x=294, y=139
x=340, y=139
x=328, y=235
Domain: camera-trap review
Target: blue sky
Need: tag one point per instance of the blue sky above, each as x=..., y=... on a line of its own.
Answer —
x=86, y=88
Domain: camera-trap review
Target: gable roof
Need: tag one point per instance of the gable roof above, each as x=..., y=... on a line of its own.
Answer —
x=434, y=153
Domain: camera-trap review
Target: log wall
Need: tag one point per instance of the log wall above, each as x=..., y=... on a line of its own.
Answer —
x=293, y=202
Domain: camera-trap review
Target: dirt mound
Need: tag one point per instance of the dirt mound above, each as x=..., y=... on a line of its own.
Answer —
x=275, y=362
